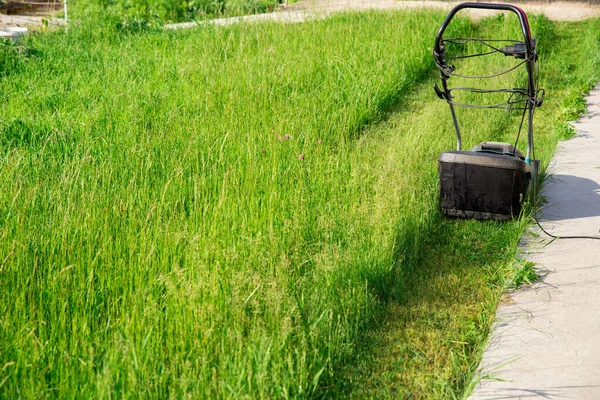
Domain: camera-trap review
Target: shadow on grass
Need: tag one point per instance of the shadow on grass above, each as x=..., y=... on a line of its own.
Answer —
x=433, y=322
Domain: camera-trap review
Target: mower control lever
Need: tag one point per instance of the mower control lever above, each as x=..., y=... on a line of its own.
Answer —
x=518, y=50
x=540, y=95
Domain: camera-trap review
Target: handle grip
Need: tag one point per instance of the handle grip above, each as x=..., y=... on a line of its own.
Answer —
x=439, y=47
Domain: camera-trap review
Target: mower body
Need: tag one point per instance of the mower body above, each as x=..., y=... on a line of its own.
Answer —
x=491, y=180
x=482, y=185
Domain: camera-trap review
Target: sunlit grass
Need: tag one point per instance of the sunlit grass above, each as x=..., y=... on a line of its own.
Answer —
x=206, y=213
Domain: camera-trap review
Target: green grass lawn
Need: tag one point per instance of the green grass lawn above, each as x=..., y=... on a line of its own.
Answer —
x=249, y=211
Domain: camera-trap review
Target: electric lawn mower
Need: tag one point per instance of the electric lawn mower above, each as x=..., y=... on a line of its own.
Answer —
x=491, y=180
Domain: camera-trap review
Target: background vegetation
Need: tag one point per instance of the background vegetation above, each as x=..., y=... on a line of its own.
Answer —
x=236, y=212
x=155, y=11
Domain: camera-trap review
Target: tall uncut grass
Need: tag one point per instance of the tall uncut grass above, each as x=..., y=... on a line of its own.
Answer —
x=181, y=213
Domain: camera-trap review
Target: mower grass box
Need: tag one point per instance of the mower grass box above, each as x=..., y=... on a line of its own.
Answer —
x=482, y=185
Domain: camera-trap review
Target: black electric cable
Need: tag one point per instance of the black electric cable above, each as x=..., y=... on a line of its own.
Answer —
x=466, y=40
x=535, y=218
x=501, y=106
x=471, y=55
x=462, y=41
x=508, y=105
x=478, y=90
x=488, y=76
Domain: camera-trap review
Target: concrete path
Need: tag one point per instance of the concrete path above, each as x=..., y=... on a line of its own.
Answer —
x=546, y=339
x=314, y=9
x=311, y=9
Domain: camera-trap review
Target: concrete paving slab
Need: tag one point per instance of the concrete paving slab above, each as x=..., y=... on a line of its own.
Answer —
x=545, y=342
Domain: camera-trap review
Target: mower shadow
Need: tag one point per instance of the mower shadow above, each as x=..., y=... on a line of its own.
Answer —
x=570, y=197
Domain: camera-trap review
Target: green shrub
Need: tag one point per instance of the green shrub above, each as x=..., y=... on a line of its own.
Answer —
x=137, y=13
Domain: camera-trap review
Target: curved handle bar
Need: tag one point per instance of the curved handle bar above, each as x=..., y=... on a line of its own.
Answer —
x=438, y=53
x=487, y=6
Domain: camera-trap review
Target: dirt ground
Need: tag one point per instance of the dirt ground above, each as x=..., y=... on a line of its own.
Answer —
x=38, y=7
x=33, y=16
x=308, y=9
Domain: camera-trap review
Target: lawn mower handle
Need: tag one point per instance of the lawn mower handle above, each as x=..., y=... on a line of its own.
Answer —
x=487, y=6
x=530, y=59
